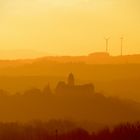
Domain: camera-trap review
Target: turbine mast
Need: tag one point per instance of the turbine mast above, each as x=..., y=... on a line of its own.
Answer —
x=107, y=44
x=122, y=38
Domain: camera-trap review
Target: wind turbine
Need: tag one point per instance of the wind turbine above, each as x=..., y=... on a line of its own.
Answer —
x=107, y=43
x=122, y=38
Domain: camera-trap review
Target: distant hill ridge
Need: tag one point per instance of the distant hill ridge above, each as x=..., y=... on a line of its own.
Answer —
x=93, y=58
x=70, y=102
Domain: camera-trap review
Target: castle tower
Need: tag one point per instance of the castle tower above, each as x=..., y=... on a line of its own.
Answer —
x=71, y=80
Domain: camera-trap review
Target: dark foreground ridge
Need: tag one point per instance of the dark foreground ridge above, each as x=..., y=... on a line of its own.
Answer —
x=68, y=101
x=39, y=131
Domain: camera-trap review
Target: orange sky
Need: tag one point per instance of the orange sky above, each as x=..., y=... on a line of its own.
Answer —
x=69, y=27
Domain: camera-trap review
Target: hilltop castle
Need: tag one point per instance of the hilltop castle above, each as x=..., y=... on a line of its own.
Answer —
x=70, y=87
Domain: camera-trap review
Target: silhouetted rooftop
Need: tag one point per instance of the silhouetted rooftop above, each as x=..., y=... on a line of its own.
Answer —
x=100, y=54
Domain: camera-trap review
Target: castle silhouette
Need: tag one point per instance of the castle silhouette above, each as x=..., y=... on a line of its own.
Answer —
x=70, y=87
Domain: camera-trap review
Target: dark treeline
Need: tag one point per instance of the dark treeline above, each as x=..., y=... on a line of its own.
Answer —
x=69, y=102
x=39, y=131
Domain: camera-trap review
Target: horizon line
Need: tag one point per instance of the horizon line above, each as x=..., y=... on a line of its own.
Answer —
x=67, y=55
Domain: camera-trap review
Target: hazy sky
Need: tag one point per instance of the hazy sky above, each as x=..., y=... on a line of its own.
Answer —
x=69, y=27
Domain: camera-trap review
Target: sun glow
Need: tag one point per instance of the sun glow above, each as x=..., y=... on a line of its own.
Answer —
x=69, y=27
